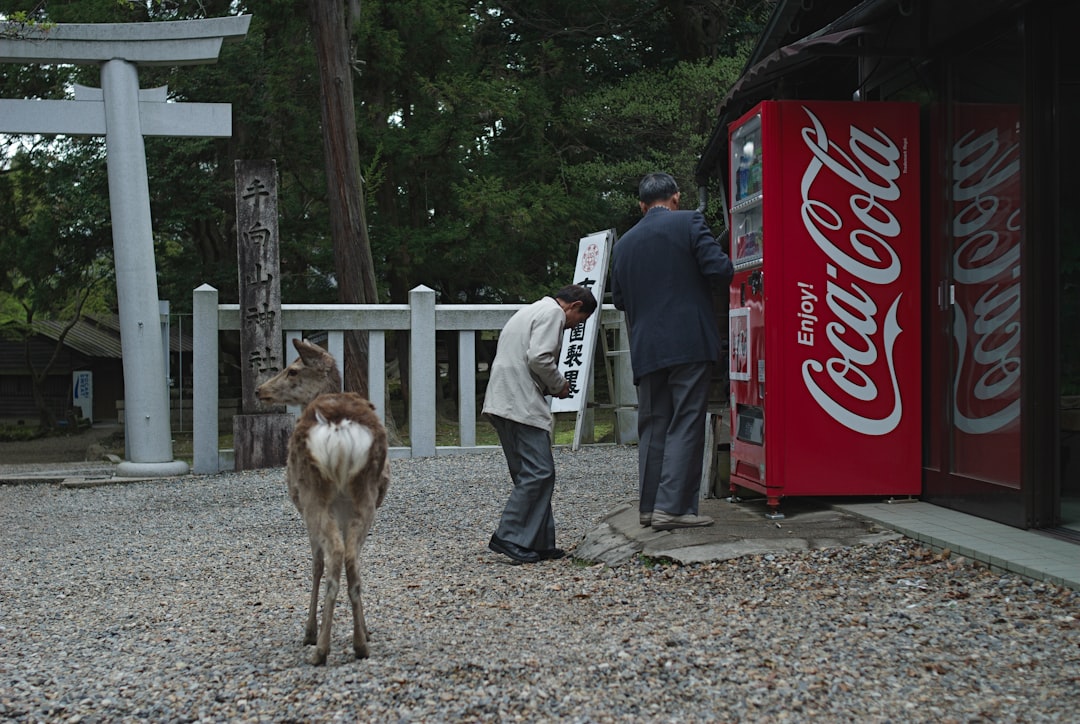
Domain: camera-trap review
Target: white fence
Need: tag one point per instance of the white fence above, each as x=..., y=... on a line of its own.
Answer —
x=421, y=317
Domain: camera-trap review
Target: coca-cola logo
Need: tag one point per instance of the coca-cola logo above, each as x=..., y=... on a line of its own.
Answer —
x=986, y=270
x=858, y=243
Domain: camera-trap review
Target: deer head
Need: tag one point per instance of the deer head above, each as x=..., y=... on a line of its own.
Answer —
x=313, y=373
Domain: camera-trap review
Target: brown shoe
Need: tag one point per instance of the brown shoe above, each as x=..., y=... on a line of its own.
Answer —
x=645, y=519
x=667, y=521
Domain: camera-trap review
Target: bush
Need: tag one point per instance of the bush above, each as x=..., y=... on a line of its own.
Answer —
x=21, y=433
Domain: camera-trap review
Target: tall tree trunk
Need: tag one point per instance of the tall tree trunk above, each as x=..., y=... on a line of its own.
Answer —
x=353, y=264
x=46, y=416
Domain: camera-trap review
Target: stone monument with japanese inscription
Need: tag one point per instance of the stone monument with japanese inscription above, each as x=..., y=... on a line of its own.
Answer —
x=261, y=431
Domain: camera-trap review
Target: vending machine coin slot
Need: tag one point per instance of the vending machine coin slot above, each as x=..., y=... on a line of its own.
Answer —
x=750, y=424
x=757, y=282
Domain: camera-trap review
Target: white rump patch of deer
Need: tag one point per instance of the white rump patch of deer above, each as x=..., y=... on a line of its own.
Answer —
x=338, y=472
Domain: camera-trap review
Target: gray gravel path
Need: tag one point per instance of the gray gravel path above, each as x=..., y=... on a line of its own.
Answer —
x=184, y=600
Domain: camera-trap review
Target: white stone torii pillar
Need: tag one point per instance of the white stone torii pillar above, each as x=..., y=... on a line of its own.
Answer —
x=124, y=114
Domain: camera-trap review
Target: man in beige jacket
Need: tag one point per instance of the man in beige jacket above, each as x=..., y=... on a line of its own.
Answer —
x=525, y=370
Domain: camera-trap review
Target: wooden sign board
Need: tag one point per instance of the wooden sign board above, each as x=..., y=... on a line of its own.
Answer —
x=579, y=343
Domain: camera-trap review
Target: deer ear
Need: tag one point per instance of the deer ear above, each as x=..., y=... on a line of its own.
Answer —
x=312, y=354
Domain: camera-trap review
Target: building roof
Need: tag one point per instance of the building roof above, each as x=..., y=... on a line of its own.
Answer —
x=811, y=50
x=99, y=335
x=796, y=35
x=87, y=337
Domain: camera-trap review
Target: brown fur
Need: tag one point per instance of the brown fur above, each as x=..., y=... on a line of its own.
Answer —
x=337, y=498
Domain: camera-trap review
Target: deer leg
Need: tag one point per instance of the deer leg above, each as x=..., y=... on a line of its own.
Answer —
x=352, y=578
x=322, y=646
x=317, y=565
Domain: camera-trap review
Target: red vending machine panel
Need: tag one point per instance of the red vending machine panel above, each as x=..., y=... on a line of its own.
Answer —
x=824, y=307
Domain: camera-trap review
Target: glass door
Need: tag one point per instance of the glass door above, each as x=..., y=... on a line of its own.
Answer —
x=1068, y=266
x=974, y=405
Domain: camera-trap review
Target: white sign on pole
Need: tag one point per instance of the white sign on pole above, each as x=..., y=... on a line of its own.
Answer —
x=82, y=392
x=579, y=343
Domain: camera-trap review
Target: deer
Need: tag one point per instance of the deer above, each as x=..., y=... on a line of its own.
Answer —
x=337, y=473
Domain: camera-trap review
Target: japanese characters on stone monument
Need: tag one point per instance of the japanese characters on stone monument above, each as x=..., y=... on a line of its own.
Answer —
x=123, y=113
x=260, y=289
x=261, y=431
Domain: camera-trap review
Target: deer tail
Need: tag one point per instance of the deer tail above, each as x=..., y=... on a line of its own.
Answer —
x=340, y=449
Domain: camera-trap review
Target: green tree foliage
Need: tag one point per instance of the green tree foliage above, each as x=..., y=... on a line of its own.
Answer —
x=493, y=133
x=271, y=81
x=53, y=200
x=503, y=131
x=57, y=258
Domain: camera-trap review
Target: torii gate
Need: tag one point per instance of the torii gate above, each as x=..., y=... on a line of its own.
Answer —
x=124, y=114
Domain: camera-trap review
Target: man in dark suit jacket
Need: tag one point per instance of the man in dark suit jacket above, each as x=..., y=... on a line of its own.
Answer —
x=663, y=274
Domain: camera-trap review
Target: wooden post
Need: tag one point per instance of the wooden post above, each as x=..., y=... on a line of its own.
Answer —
x=261, y=432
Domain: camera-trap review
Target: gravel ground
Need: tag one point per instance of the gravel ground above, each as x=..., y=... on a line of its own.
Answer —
x=184, y=600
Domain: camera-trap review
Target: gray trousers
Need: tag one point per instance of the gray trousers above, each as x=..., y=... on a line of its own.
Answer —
x=672, y=403
x=527, y=518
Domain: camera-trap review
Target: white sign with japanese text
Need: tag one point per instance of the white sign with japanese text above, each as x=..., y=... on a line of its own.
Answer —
x=82, y=393
x=579, y=343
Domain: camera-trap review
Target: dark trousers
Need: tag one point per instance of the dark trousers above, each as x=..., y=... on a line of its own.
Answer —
x=527, y=518
x=672, y=403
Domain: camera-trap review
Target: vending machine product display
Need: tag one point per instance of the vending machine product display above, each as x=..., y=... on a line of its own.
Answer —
x=824, y=337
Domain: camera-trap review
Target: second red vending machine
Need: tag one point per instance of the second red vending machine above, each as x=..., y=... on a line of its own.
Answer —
x=824, y=347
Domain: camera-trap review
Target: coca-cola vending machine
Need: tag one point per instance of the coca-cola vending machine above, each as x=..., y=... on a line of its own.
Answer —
x=824, y=348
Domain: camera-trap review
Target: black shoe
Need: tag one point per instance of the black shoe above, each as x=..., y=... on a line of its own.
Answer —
x=551, y=554
x=519, y=554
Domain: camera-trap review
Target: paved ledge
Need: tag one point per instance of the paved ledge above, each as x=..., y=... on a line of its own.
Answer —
x=1026, y=553
x=742, y=529
x=73, y=475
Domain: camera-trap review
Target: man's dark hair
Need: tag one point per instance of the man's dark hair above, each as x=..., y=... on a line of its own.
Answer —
x=577, y=293
x=657, y=187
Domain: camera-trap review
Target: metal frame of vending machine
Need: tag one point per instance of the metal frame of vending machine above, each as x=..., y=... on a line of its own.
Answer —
x=824, y=320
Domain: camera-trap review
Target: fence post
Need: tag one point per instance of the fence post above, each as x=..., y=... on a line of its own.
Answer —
x=335, y=345
x=205, y=380
x=423, y=373
x=377, y=372
x=624, y=396
x=290, y=356
x=467, y=387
